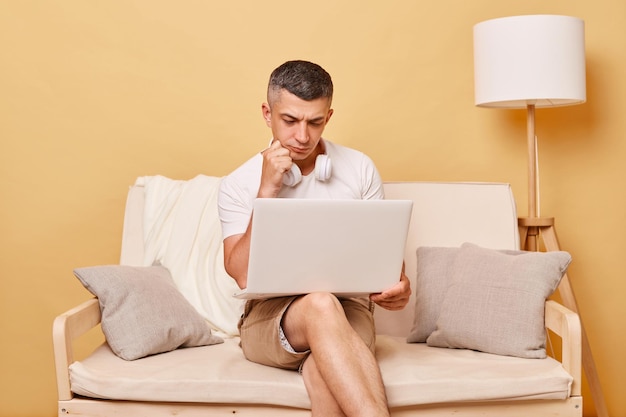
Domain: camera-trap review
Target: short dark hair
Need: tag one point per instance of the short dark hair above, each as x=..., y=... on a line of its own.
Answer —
x=303, y=79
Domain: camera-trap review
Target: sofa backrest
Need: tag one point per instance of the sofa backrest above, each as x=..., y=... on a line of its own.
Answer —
x=444, y=214
x=448, y=214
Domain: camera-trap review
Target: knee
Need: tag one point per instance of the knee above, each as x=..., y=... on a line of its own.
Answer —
x=323, y=304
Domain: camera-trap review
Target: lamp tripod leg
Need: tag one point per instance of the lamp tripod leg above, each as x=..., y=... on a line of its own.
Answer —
x=531, y=238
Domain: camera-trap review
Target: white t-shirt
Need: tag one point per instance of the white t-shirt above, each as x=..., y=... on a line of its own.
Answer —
x=354, y=176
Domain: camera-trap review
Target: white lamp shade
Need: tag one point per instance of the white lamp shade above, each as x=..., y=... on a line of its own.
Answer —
x=534, y=59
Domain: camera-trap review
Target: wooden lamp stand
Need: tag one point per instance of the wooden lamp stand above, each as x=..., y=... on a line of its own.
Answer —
x=533, y=227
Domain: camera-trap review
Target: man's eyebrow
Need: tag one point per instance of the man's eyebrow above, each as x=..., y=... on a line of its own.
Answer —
x=314, y=120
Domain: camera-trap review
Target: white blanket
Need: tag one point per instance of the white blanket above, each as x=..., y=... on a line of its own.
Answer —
x=182, y=232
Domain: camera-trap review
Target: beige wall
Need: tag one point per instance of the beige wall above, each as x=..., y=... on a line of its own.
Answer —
x=94, y=94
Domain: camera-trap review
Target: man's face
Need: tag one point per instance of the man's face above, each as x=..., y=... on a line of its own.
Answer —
x=298, y=124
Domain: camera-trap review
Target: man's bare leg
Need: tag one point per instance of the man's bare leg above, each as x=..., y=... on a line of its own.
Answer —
x=345, y=364
x=323, y=404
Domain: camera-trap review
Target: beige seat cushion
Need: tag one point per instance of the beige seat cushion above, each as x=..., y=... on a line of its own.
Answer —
x=413, y=374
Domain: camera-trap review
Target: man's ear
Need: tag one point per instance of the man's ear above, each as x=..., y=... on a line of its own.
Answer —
x=330, y=113
x=267, y=114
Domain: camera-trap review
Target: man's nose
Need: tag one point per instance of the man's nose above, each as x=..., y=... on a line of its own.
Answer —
x=302, y=133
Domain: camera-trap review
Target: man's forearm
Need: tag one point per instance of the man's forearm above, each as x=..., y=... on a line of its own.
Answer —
x=236, y=254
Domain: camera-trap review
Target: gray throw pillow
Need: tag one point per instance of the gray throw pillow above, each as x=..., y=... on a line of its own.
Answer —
x=143, y=313
x=431, y=282
x=495, y=301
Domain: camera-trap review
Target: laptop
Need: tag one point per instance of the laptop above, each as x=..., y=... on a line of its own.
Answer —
x=351, y=248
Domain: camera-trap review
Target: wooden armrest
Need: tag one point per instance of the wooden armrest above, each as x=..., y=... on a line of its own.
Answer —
x=66, y=328
x=566, y=324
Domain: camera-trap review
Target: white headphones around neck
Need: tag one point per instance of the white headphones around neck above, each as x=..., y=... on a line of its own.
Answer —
x=323, y=170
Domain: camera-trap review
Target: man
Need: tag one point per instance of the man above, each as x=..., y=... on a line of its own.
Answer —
x=330, y=340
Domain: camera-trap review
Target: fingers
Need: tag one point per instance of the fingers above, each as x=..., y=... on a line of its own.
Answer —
x=276, y=158
x=396, y=297
x=389, y=302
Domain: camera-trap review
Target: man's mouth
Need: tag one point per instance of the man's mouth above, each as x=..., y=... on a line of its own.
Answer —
x=299, y=150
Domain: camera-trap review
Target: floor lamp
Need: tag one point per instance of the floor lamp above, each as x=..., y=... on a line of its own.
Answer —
x=529, y=62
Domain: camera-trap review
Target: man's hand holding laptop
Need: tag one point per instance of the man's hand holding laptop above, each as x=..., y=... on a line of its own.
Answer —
x=396, y=297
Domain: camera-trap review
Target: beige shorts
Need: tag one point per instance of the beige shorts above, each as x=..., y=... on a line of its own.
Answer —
x=260, y=328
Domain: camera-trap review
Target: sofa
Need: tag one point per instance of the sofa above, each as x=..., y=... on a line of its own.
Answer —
x=480, y=336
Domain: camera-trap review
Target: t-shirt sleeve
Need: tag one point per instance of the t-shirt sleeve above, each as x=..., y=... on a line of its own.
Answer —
x=237, y=193
x=372, y=186
x=234, y=207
